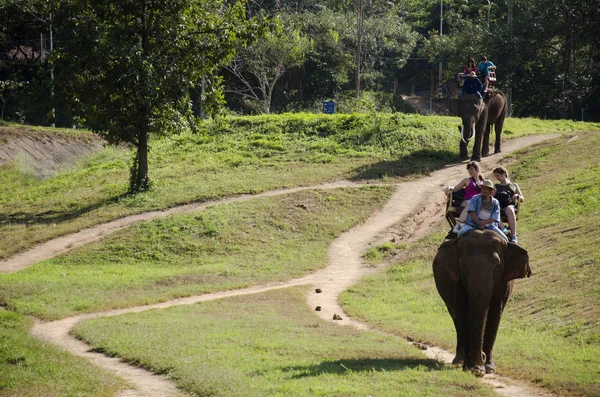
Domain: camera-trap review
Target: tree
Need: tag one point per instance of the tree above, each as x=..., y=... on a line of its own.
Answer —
x=131, y=64
x=259, y=66
x=8, y=88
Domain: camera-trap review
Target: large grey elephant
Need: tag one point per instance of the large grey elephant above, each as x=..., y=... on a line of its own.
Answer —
x=474, y=275
x=477, y=119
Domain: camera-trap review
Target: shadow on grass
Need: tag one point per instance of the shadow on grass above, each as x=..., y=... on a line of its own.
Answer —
x=358, y=365
x=51, y=217
x=414, y=164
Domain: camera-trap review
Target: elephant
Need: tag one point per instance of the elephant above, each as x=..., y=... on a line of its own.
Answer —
x=474, y=276
x=477, y=119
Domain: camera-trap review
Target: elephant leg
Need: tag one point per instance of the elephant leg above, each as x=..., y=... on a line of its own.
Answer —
x=497, y=306
x=498, y=130
x=455, y=299
x=476, y=156
x=460, y=318
x=479, y=131
x=464, y=152
x=485, y=146
x=480, y=294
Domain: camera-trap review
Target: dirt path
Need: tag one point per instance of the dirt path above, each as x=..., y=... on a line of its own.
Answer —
x=66, y=243
x=400, y=218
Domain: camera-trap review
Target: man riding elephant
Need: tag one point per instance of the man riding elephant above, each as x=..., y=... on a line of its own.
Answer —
x=484, y=70
x=472, y=86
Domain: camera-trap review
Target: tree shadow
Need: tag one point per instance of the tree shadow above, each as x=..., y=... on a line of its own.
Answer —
x=414, y=164
x=363, y=365
x=51, y=217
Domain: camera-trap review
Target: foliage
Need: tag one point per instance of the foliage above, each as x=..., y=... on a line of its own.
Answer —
x=8, y=88
x=265, y=61
x=386, y=43
x=131, y=65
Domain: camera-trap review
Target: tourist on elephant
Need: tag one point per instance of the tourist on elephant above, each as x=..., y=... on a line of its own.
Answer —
x=472, y=186
x=483, y=212
x=471, y=67
x=483, y=68
x=472, y=86
x=507, y=194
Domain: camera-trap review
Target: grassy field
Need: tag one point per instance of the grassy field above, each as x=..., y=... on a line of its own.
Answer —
x=233, y=156
x=223, y=348
x=550, y=333
x=29, y=368
x=236, y=245
x=225, y=247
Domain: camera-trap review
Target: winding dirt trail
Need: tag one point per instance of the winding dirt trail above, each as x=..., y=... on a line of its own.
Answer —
x=400, y=219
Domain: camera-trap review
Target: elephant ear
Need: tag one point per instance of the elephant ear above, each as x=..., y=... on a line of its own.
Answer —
x=516, y=263
x=445, y=263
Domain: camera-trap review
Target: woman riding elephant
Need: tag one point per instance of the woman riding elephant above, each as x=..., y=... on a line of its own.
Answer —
x=474, y=275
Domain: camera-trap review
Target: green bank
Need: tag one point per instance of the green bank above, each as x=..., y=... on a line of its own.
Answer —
x=550, y=332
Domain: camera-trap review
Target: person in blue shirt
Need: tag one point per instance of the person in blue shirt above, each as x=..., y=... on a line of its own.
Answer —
x=483, y=68
x=472, y=85
x=483, y=212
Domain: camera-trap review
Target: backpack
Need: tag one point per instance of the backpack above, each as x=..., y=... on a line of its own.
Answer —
x=504, y=198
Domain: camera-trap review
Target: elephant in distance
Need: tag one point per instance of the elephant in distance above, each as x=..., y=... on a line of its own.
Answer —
x=477, y=117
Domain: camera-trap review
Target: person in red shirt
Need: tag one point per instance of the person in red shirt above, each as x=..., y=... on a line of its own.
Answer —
x=471, y=67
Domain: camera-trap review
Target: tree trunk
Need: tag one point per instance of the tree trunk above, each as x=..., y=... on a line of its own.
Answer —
x=139, y=171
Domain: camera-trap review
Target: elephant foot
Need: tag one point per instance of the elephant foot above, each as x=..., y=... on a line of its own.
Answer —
x=458, y=360
x=478, y=371
x=490, y=368
x=497, y=151
x=478, y=159
x=463, y=158
x=485, y=154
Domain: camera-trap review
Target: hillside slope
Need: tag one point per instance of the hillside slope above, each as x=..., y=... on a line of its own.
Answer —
x=44, y=152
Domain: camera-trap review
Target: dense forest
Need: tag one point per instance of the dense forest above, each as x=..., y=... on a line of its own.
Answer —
x=62, y=61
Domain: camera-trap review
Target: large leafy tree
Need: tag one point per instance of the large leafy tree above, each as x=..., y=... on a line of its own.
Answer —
x=259, y=67
x=132, y=63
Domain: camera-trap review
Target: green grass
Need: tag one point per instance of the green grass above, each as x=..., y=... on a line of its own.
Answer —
x=233, y=156
x=550, y=333
x=224, y=348
x=528, y=126
x=223, y=247
x=29, y=368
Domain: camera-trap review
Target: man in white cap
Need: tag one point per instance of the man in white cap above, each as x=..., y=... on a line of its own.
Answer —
x=483, y=212
x=472, y=85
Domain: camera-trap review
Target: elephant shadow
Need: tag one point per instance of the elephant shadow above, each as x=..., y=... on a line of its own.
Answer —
x=419, y=162
x=362, y=365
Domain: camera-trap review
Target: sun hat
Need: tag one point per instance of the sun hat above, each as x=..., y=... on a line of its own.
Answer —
x=488, y=183
x=472, y=74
